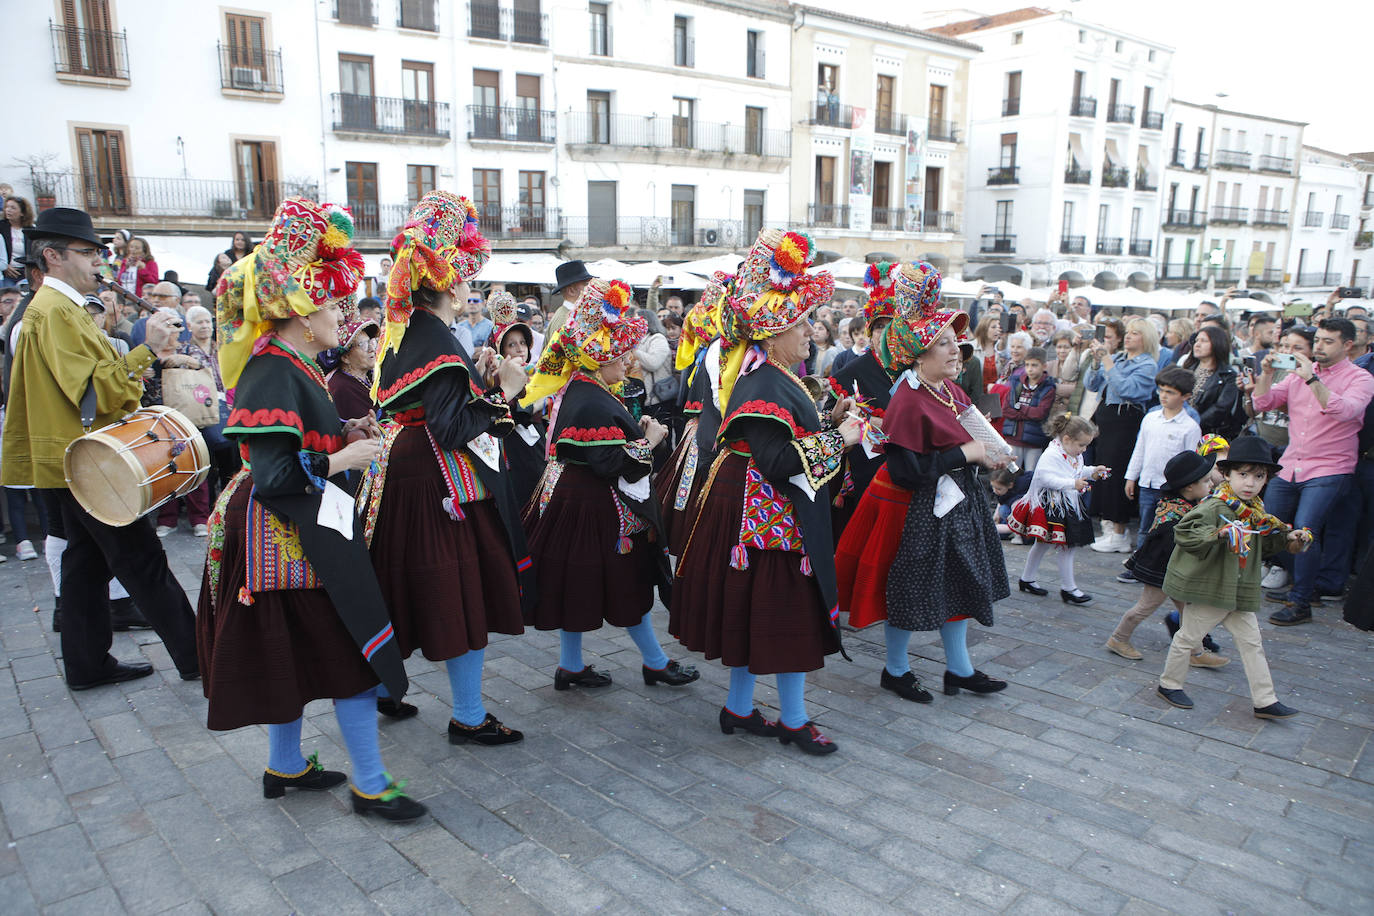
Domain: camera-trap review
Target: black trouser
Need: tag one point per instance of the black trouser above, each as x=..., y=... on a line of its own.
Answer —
x=95, y=551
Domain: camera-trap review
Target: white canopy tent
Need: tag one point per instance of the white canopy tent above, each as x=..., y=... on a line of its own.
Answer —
x=707, y=266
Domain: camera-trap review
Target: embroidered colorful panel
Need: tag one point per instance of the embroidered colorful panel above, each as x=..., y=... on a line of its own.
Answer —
x=275, y=559
x=689, y=473
x=768, y=521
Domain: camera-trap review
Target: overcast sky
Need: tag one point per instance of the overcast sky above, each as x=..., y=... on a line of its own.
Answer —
x=1303, y=61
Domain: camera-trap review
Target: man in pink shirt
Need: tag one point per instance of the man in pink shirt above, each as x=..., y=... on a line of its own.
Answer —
x=1326, y=397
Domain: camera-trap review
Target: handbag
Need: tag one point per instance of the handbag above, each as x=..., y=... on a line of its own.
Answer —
x=666, y=389
x=193, y=392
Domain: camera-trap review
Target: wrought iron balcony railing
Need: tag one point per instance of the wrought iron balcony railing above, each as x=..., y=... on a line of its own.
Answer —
x=374, y=114
x=518, y=125
x=90, y=52
x=250, y=69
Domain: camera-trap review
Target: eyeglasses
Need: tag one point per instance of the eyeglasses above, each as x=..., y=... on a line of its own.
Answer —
x=474, y=302
x=83, y=252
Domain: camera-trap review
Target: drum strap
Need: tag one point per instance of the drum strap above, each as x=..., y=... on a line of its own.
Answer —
x=88, y=406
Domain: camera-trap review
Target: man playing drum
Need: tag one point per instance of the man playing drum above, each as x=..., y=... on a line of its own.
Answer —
x=60, y=356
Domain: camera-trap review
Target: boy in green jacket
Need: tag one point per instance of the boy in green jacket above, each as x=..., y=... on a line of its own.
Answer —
x=1215, y=570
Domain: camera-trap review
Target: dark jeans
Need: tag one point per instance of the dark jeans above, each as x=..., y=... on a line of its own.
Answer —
x=1306, y=505
x=16, y=500
x=1348, y=531
x=94, y=552
x=1149, y=498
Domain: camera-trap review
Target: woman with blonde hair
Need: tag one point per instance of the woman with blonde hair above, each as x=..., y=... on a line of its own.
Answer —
x=985, y=339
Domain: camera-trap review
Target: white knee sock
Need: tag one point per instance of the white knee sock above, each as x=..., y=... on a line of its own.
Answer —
x=1066, y=578
x=1033, y=558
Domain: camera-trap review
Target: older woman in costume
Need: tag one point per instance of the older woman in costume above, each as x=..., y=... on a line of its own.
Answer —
x=513, y=339
x=698, y=357
x=921, y=551
x=756, y=582
x=594, y=532
x=350, y=383
x=441, y=517
x=289, y=608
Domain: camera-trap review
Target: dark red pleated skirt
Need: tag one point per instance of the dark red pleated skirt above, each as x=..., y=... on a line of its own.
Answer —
x=867, y=548
x=261, y=663
x=448, y=584
x=583, y=580
x=677, y=522
x=769, y=617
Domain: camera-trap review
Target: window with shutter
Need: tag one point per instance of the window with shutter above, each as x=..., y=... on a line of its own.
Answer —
x=104, y=181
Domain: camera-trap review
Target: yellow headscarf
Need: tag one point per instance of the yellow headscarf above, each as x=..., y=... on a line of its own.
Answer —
x=599, y=330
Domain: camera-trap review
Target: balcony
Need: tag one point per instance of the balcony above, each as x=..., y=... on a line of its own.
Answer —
x=1144, y=182
x=1230, y=214
x=515, y=125
x=1200, y=162
x=998, y=244
x=1231, y=159
x=1152, y=120
x=1227, y=275
x=890, y=123
x=488, y=19
x=90, y=53
x=418, y=14
x=1084, y=106
x=378, y=115
x=1269, y=276
x=356, y=12
x=1275, y=164
x=1365, y=239
x=672, y=132
x=1072, y=244
x=163, y=198
x=1318, y=278
x=1180, y=272
x=832, y=115
x=1141, y=248
x=1121, y=114
x=941, y=131
x=1271, y=218
x=1109, y=246
x=1004, y=174
x=250, y=70
x=1340, y=220
x=940, y=221
x=1011, y=107
x=523, y=221
x=1184, y=220
x=1113, y=177
x=1313, y=219
x=827, y=216
x=654, y=232
x=890, y=219
x=1074, y=175
x=1178, y=159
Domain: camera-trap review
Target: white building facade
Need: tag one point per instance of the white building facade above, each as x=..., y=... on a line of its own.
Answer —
x=1066, y=141
x=1326, y=225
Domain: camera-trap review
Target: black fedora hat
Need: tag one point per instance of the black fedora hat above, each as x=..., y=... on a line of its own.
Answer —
x=570, y=272
x=1185, y=468
x=1249, y=450
x=64, y=223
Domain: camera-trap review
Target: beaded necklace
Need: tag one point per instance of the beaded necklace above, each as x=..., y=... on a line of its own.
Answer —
x=946, y=399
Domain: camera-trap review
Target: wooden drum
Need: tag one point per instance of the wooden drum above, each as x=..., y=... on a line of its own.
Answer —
x=129, y=468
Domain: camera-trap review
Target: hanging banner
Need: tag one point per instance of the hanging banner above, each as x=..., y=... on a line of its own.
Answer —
x=915, y=172
x=861, y=173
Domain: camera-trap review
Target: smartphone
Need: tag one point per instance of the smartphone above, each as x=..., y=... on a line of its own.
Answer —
x=994, y=291
x=1008, y=322
x=1350, y=292
x=1086, y=333
x=1063, y=287
x=1284, y=361
x=1100, y=333
x=1297, y=310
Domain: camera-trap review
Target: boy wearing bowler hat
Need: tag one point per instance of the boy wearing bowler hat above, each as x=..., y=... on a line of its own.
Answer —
x=1215, y=570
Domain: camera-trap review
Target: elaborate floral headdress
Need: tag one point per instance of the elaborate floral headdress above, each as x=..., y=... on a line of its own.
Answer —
x=919, y=321
x=601, y=328
x=879, y=280
x=701, y=324
x=772, y=293
x=305, y=261
x=440, y=246
x=505, y=318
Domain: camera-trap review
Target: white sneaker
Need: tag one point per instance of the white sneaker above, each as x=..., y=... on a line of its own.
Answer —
x=1106, y=543
x=3, y=558
x=1276, y=577
x=201, y=531
x=163, y=530
x=1125, y=543
x=24, y=551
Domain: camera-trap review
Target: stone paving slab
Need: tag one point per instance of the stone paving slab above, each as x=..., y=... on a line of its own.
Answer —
x=1075, y=790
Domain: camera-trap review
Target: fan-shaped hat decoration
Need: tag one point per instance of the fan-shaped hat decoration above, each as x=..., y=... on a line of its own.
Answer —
x=600, y=329
x=919, y=321
x=505, y=318
x=879, y=279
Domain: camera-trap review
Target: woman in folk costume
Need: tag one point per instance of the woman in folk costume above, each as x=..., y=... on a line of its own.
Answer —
x=594, y=534
x=756, y=582
x=512, y=339
x=289, y=608
x=698, y=356
x=867, y=381
x=350, y=383
x=921, y=551
x=439, y=506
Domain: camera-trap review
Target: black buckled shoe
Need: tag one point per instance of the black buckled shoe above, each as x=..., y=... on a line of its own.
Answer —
x=391, y=803
x=908, y=686
x=1291, y=616
x=754, y=723
x=808, y=738
x=1069, y=597
x=315, y=778
x=119, y=674
x=395, y=709
x=1031, y=588
x=977, y=682
x=491, y=733
x=587, y=677
x=1175, y=697
x=672, y=674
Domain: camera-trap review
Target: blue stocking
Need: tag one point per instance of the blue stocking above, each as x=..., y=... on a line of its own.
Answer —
x=570, y=651
x=897, y=641
x=382, y=692
x=284, y=748
x=643, y=635
x=741, y=698
x=465, y=684
x=791, y=705
x=954, y=634
x=358, y=723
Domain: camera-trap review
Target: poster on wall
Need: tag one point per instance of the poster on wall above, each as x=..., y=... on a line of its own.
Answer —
x=860, y=181
x=915, y=169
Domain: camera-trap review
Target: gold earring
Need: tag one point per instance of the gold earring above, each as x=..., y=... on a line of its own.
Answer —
x=309, y=334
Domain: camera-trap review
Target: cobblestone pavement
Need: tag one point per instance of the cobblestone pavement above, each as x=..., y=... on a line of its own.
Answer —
x=1075, y=790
